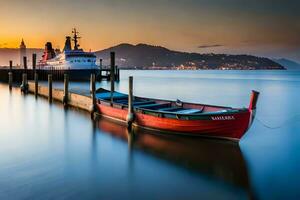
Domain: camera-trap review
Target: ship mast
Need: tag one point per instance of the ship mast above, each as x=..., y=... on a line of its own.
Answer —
x=75, y=38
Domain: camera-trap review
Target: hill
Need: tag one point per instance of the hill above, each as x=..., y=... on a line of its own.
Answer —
x=143, y=56
x=288, y=64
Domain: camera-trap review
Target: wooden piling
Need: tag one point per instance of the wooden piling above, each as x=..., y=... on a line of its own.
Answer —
x=33, y=62
x=99, y=77
x=25, y=62
x=112, y=75
x=10, y=80
x=130, y=115
x=93, y=94
x=100, y=64
x=10, y=65
x=50, y=87
x=66, y=89
x=118, y=74
x=24, y=86
x=36, y=84
x=92, y=80
x=10, y=75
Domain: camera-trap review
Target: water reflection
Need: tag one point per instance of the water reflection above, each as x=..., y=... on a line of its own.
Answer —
x=214, y=158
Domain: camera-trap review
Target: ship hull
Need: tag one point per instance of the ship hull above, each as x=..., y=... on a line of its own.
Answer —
x=81, y=74
x=74, y=74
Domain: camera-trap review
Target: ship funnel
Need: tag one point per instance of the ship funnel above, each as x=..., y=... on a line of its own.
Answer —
x=68, y=44
x=253, y=100
x=49, y=51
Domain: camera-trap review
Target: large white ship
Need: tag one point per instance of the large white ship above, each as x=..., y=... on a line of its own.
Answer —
x=68, y=59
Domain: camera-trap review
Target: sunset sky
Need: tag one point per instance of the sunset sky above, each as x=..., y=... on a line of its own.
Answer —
x=260, y=27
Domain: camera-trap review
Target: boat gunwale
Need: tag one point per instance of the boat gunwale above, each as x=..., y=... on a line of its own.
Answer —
x=231, y=110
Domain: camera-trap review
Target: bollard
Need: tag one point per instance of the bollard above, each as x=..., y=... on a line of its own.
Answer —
x=36, y=84
x=10, y=80
x=112, y=76
x=130, y=115
x=24, y=85
x=50, y=87
x=66, y=90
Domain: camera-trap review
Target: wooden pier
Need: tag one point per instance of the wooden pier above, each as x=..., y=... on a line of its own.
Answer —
x=28, y=82
x=14, y=74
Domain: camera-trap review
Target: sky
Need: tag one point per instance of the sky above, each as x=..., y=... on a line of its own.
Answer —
x=260, y=27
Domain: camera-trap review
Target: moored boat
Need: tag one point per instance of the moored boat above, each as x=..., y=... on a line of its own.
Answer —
x=78, y=63
x=179, y=117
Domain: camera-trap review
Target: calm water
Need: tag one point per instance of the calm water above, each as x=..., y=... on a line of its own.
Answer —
x=48, y=152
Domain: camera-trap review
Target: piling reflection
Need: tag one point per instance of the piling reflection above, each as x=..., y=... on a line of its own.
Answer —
x=222, y=160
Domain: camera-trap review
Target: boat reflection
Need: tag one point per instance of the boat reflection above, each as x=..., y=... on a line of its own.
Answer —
x=214, y=158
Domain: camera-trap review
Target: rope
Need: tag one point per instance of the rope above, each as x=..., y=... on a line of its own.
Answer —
x=277, y=127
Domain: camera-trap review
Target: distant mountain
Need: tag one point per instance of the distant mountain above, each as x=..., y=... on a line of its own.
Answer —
x=288, y=64
x=143, y=56
x=7, y=54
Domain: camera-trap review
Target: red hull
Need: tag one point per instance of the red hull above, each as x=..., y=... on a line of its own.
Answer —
x=232, y=126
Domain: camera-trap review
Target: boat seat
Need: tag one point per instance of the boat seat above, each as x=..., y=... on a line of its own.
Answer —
x=170, y=109
x=107, y=95
x=143, y=103
x=115, y=98
x=189, y=111
x=123, y=101
x=154, y=106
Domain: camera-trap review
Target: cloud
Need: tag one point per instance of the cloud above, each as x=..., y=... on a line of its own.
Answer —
x=210, y=46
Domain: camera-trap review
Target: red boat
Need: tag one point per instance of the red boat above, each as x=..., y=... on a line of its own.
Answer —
x=179, y=117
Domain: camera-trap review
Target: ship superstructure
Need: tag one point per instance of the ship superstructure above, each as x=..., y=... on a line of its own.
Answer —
x=73, y=59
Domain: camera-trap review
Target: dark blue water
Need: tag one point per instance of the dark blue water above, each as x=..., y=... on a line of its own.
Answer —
x=48, y=152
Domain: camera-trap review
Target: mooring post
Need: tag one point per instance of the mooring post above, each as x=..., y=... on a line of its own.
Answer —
x=24, y=86
x=34, y=62
x=36, y=84
x=118, y=74
x=100, y=66
x=10, y=65
x=93, y=94
x=130, y=115
x=92, y=80
x=112, y=76
x=100, y=70
x=66, y=89
x=10, y=75
x=50, y=87
x=10, y=79
x=25, y=63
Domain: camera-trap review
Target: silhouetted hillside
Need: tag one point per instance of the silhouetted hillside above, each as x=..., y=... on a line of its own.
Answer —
x=144, y=56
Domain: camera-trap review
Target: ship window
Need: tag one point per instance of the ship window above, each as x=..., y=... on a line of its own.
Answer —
x=89, y=60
